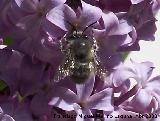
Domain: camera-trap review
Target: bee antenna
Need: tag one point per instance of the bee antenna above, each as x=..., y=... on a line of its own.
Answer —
x=89, y=26
x=73, y=27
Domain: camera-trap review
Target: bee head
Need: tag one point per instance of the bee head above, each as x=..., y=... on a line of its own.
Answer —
x=79, y=33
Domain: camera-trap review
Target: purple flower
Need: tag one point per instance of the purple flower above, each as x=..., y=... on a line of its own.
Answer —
x=9, y=64
x=111, y=5
x=12, y=110
x=61, y=15
x=37, y=11
x=84, y=101
x=147, y=90
x=33, y=76
x=110, y=37
x=5, y=117
x=30, y=17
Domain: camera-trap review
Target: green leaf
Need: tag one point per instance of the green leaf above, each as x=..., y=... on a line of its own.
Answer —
x=8, y=41
x=20, y=98
x=3, y=85
x=125, y=55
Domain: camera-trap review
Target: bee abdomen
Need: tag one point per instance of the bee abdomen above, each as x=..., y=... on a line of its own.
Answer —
x=80, y=72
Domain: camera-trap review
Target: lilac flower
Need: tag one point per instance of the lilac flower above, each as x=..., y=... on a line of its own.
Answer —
x=28, y=64
x=83, y=102
x=36, y=13
x=110, y=37
x=45, y=49
x=5, y=117
x=9, y=64
x=30, y=17
x=141, y=16
x=12, y=110
x=147, y=89
x=80, y=19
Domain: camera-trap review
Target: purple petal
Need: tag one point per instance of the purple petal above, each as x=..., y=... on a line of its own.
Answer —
x=30, y=76
x=110, y=22
x=123, y=25
x=122, y=74
x=27, y=5
x=64, y=99
x=153, y=85
x=7, y=118
x=40, y=100
x=22, y=113
x=114, y=5
x=60, y=15
x=57, y=2
x=83, y=112
x=156, y=6
x=142, y=99
x=89, y=14
x=9, y=64
x=52, y=30
x=143, y=70
x=85, y=90
x=101, y=100
x=147, y=31
x=136, y=1
x=141, y=14
x=19, y=111
x=30, y=23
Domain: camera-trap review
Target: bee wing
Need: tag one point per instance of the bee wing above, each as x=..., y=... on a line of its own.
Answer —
x=64, y=69
x=100, y=70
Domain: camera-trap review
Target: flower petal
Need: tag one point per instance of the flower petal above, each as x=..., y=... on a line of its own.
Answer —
x=30, y=23
x=123, y=25
x=83, y=113
x=27, y=5
x=89, y=14
x=142, y=99
x=7, y=118
x=60, y=15
x=85, y=90
x=57, y=2
x=101, y=100
x=153, y=85
x=64, y=99
x=9, y=64
x=136, y=1
x=121, y=75
x=40, y=100
x=143, y=70
x=30, y=76
x=110, y=22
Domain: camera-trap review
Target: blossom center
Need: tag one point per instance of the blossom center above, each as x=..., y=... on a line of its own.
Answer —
x=83, y=104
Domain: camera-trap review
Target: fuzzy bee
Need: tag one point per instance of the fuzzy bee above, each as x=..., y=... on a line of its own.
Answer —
x=80, y=58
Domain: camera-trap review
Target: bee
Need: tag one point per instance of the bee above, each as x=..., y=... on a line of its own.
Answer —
x=81, y=58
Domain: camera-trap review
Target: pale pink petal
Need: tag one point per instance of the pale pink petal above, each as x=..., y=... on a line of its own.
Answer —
x=84, y=90
x=141, y=100
x=61, y=15
x=64, y=99
x=101, y=100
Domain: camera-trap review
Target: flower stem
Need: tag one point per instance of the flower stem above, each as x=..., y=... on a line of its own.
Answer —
x=127, y=95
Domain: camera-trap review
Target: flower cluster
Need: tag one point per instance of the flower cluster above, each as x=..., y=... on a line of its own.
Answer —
x=31, y=35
